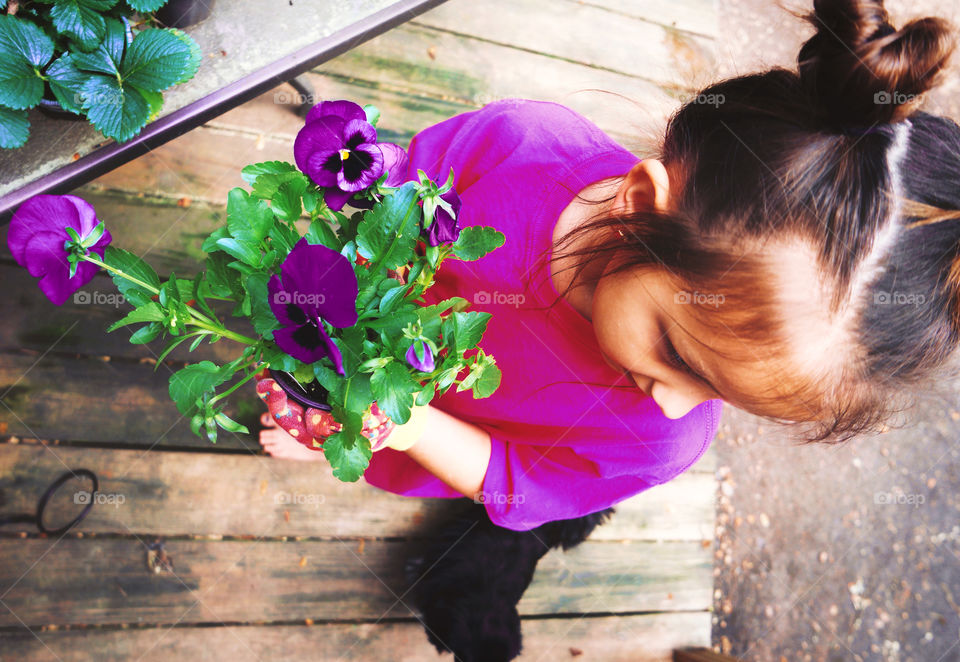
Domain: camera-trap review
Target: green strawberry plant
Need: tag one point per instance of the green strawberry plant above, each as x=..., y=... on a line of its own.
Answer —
x=84, y=55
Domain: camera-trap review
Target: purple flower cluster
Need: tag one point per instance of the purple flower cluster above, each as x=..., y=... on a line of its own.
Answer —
x=315, y=284
x=39, y=241
x=337, y=148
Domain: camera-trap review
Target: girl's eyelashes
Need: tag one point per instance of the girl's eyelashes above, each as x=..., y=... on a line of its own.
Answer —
x=675, y=359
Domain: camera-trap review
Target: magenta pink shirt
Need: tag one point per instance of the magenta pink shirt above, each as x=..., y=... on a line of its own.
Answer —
x=569, y=434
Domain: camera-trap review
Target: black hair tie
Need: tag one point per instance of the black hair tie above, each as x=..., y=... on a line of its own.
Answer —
x=37, y=518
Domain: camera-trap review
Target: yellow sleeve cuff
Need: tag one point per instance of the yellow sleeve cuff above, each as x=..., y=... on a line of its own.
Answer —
x=406, y=435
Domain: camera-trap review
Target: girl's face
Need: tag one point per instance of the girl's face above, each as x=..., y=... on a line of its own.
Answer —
x=647, y=327
x=639, y=320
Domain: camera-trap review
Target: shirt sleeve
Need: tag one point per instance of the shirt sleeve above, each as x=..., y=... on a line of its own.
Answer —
x=528, y=485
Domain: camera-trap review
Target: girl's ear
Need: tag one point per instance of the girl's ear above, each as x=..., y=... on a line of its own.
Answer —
x=646, y=187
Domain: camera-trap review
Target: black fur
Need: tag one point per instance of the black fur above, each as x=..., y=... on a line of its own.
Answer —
x=468, y=580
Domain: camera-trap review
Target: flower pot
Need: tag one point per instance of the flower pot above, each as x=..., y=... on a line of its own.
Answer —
x=184, y=13
x=304, y=413
x=313, y=395
x=54, y=110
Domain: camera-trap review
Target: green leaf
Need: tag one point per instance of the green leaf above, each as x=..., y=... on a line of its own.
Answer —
x=172, y=346
x=196, y=55
x=199, y=294
x=149, y=313
x=286, y=202
x=229, y=424
x=250, y=173
x=283, y=238
x=474, y=242
x=146, y=6
x=426, y=394
x=117, y=110
x=360, y=395
x=262, y=317
x=278, y=359
x=320, y=233
x=487, y=382
x=156, y=60
x=267, y=184
x=106, y=57
x=23, y=40
x=67, y=82
x=132, y=265
x=348, y=464
x=330, y=380
x=388, y=232
x=372, y=113
x=146, y=333
x=392, y=386
x=210, y=243
x=14, y=128
x=222, y=281
x=81, y=20
x=248, y=219
x=24, y=49
x=467, y=329
x=189, y=384
x=391, y=298
x=246, y=253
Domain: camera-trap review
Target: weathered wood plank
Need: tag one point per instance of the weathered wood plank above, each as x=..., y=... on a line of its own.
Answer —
x=80, y=324
x=88, y=400
x=584, y=34
x=644, y=638
x=698, y=16
x=205, y=164
x=442, y=65
x=176, y=494
x=100, y=581
x=414, y=90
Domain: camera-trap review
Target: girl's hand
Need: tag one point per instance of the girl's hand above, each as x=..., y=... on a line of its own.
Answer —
x=317, y=424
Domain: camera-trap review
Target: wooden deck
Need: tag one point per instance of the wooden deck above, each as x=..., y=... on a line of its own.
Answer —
x=274, y=559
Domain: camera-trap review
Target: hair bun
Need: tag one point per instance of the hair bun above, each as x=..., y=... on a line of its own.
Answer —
x=860, y=70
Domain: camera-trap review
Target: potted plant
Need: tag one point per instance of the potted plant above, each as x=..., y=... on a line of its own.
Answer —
x=334, y=311
x=83, y=57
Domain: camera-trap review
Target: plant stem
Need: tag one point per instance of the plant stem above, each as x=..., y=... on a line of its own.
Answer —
x=200, y=320
x=233, y=388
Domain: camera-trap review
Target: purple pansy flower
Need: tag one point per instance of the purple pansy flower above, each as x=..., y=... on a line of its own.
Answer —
x=37, y=236
x=425, y=364
x=445, y=228
x=315, y=284
x=337, y=148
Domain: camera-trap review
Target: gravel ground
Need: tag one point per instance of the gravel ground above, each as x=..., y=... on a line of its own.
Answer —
x=836, y=553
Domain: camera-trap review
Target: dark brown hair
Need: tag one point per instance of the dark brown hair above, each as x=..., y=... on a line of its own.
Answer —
x=836, y=155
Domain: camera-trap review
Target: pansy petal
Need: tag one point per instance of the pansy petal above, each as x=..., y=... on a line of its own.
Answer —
x=324, y=168
x=54, y=274
x=283, y=304
x=359, y=132
x=325, y=279
x=300, y=342
x=361, y=169
x=44, y=253
x=332, y=351
x=86, y=215
x=395, y=162
x=335, y=198
x=41, y=213
x=322, y=135
x=346, y=110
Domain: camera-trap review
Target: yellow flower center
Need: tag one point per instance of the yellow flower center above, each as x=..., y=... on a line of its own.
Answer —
x=344, y=153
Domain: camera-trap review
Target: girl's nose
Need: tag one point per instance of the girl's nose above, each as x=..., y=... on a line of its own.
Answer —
x=674, y=404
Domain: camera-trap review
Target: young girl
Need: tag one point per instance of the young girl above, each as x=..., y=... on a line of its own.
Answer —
x=794, y=251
